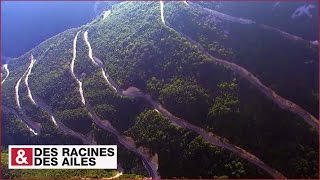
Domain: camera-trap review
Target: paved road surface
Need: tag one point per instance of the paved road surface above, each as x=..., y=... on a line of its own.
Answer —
x=5, y=67
x=127, y=142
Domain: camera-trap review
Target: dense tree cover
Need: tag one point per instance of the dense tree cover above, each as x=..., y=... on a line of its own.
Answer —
x=191, y=22
x=135, y=46
x=138, y=50
x=119, y=111
x=108, y=105
x=181, y=152
x=31, y=110
x=273, y=14
x=216, y=162
x=19, y=65
x=226, y=102
x=128, y=161
x=51, y=135
x=43, y=83
x=8, y=87
x=276, y=136
x=295, y=71
x=254, y=48
x=76, y=119
x=186, y=99
x=258, y=119
x=246, y=113
x=14, y=131
x=58, y=88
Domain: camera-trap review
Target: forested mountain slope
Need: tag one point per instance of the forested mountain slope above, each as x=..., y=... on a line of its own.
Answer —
x=175, y=86
x=296, y=17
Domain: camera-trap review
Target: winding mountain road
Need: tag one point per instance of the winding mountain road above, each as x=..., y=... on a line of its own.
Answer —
x=17, y=89
x=36, y=127
x=161, y=12
x=42, y=105
x=106, y=14
x=134, y=92
x=89, y=47
x=5, y=67
x=26, y=80
x=269, y=93
x=149, y=162
x=72, y=67
x=210, y=137
x=63, y=128
x=11, y=111
x=222, y=16
x=281, y=102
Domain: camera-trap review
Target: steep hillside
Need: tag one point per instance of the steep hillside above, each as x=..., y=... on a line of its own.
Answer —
x=174, y=90
x=296, y=17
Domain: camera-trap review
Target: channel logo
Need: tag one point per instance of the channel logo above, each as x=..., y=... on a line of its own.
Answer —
x=63, y=157
x=21, y=156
